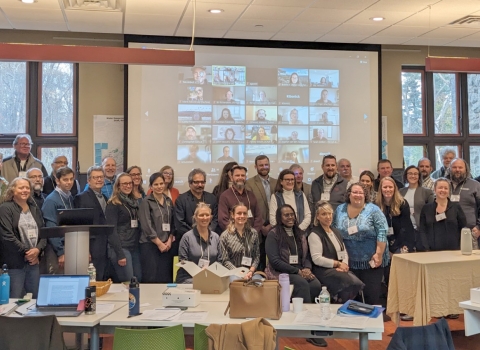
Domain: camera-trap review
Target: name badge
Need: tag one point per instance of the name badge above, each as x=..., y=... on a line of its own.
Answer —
x=455, y=198
x=293, y=259
x=133, y=223
x=352, y=230
x=22, y=174
x=440, y=217
x=412, y=211
x=246, y=261
x=249, y=213
x=341, y=255
x=32, y=233
x=203, y=263
x=325, y=196
x=166, y=227
x=390, y=231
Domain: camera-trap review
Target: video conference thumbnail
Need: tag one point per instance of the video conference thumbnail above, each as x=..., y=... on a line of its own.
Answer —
x=194, y=114
x=194, y=153
x=319, y=134
x=294, y=115
x=195, y=75
x=194, y=94
x=223, y=153
x=228, y=114
x=229, y=75
x=253, y=150
x=292, y=77
x=293, y=153
x=194, y=133
x=324, y=78
x=324, y=115
x=261, y=133
x=324, y=97
x=292, y=134
x=229, y=95
x=228, y=133
x=261, y=114
x=261, y=95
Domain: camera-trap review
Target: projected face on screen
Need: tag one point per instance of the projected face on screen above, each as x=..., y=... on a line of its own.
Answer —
x=294, y=106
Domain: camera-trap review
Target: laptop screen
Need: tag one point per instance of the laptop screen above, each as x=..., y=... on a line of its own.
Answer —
x=62, y=290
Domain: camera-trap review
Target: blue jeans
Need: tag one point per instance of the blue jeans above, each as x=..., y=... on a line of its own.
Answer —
x=132, y=268
x=24, y=281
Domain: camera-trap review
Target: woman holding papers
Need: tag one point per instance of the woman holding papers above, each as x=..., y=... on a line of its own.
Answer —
x=20, y=220
x=200, y=245
x=364, y=231
x=122, y=212
x=330, y=258
x=442, y=220
x=156, y=219
x=239, y=244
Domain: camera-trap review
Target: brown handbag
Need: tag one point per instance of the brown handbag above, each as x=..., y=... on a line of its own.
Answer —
x=255, y=298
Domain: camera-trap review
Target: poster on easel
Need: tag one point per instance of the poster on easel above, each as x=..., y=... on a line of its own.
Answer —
x=108, y=139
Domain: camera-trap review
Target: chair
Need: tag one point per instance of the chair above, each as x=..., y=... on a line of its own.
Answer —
x=175, y=268
x=433, y=336
x=200, y=339
x=43, y=333
x=168, y=338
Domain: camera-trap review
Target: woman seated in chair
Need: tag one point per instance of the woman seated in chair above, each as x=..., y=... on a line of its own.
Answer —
x=330, y=258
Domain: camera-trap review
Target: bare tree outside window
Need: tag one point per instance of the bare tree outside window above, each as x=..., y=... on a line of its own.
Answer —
x=13, y=97
x=48, y=154
x=473, y=91
x=7, y=152
x=411, y=154
x=444, y=100
x=412, y=104
x=57, y=98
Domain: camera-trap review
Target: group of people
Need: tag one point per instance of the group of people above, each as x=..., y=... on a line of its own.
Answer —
x=340, y=231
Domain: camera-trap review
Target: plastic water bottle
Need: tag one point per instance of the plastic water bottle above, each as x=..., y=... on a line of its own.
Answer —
x=325, y=304
x=4, y=285
x=92, y=272
x=466, y=241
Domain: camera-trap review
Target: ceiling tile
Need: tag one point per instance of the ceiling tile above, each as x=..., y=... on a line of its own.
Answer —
x=268, y=12
x=284, y=3
x=268, y=25
x=450, y=33
x=341, y=38
x=347, y=29
x=326, y=15
x=149, y=7
x=95, y=21
x=428, y=41
x=307, y=27
x=201, y=33
x=411, y=6
x=230, y=10
x=238, y=34
x=403, y=31
x=150, y=24
x=465, y=43
x=311, y=36
x=32, y=25
x=391, y=17
x=357, y=5
x=203, y=23
x=39, y=5
x=39, y=15
x=386, y=40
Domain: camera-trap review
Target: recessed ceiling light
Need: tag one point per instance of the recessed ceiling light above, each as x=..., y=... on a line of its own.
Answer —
x=215, y=11
x=377, y=19
x=28, y=1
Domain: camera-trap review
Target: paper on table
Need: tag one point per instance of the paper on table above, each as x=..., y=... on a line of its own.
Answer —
x=105, y=308
x=160, y=314
x=192, y=316
x=116, y=288
x=336, y=321
x=7, y=308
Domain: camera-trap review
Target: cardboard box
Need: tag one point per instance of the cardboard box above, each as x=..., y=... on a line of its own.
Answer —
x=215, y=279
x=475, y=295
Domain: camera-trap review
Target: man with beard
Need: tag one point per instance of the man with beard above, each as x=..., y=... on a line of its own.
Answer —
x=330, y=186
x=262, y=186
x=385, y=168
x=35, y=175
x=187, y=202
x=466, y=191
x=239, y=194
x=425, y=167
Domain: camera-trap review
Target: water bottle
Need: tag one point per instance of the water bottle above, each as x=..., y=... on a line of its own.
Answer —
x=134, y=297
x=466, y=241
x=284, y=281
x=325, y=304
x=92, y=272
x=4, y=285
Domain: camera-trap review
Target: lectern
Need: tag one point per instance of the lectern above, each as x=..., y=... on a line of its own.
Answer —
x=77, y=244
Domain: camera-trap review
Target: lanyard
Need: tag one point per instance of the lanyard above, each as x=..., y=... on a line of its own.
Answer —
x=166, y=205
x=61, y=198
x=201, y=247
x=246, y=193
x=330, y=234
x=246, y=246
x=132, y=217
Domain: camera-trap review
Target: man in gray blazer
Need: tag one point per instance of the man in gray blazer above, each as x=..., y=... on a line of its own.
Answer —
x=262, y=186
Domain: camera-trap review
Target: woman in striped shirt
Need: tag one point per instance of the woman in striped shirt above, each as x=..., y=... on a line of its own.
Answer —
x=239, y=244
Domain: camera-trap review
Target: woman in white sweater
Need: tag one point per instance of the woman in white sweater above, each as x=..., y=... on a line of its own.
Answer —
x=285, y=194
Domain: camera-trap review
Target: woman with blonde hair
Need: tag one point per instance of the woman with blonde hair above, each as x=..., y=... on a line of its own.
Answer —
x=199, y=245
x=239, y=243
x=400, y=234
x=122, y=213
x=136, y=173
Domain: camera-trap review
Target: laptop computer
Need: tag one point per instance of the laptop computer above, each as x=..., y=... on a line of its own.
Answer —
x=59, y=295
x=80, y=216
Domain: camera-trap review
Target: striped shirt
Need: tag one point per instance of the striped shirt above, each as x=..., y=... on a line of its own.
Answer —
x=234, y=247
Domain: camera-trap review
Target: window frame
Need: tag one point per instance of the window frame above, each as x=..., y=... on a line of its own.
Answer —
x=72, y=165
x=424, y=125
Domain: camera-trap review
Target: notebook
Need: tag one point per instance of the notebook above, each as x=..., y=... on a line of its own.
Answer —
x=79, y=216
x=59, y=295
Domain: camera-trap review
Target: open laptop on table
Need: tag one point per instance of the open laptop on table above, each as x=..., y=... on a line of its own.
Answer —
x=59, y=295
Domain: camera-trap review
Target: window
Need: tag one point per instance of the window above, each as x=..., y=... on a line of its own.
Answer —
x=438, y=151
x=445, y=103
x=475, y=160
x=48, y=154
x=57, y=115
x=6, y=151
x=412, y=103
x=473, y=90
x=411, y=154
x=13, y=97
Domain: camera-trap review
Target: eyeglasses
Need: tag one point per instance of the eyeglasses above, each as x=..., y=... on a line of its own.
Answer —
x=60, y=162
x=24, y=144
x=358, y=192
x=166, y=173
x=136, y=175
x=413, y=174
x=289, y=215
x=288, y=180
x=199, y=182
x=35, y=177
x=127, y=184
x=100, y=177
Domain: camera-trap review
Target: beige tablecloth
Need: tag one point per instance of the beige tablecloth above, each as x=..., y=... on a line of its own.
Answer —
x=431, y=284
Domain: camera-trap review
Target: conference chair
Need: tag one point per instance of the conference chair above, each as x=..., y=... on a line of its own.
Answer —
x=200, y=339
x=175, y=267
x=43, y=333
x=433, y=336
x=168, y=338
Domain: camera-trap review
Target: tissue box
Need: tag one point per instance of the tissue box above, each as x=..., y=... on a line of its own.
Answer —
x=181, y=297
x=475, y=295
